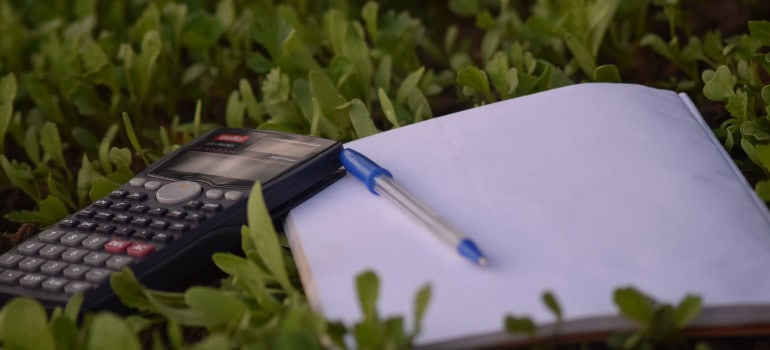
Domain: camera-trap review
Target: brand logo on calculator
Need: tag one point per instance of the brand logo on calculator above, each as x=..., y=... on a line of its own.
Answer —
x=232, y=138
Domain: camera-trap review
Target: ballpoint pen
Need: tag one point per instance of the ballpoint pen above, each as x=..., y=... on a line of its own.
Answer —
x=380, y=182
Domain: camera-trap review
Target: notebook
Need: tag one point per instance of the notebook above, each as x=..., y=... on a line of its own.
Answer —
x=578, y=190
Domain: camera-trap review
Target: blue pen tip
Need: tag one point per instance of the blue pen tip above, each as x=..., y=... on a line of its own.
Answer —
x=468, y=249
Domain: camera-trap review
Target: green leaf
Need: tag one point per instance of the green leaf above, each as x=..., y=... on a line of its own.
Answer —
x=32, y=144
x=93, y=57
x=174, y=333
x=763, y=190
x=101, y=187
x=8, y=88
x=64, y=332
x=234, y=111
x=72, y=308
x=104, y=148
x=253, y=108
x=110, y=332
x=607, y=73
x=497, y=68
x=275, y=87
x=361, y=120
x=759, y=129
x=720, y=85
x=51, y=143
x=149, y=20
x=520, y=325
x=201, y=30
x=553, y=305
x=358, y=53
x=215, y=305
x=421, y=300
x=387, y=108
x=474, y=79
x=20, y=176
x=132, y=139
x=369, y=14
x=368, y=288
x=409, y=84
x=581, y=53
x=687, y=310
x=464, y=8
x=760, y=30
x=383, y=74
x=490, y=42
x=121, y=157
x=226, y=13
x=151, y=47
x=264, y=237
x=24, y=325
x=738, y=106
x=130, y=292
x=60, y=190
x=634, y=305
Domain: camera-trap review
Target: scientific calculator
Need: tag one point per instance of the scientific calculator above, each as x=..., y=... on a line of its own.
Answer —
x=168, y=220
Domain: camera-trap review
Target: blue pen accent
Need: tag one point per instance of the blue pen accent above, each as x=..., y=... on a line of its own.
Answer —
x=362, y=168
x=380, y=182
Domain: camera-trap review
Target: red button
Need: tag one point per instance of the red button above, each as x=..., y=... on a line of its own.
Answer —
x=116, y=246
x=140, y=249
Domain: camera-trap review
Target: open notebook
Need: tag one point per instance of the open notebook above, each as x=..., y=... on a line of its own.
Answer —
x=578, y=190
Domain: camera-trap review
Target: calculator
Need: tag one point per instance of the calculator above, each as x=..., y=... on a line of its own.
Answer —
x=168, y=220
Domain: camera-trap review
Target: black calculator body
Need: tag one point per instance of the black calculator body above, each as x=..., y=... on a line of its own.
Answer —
x=168, y=220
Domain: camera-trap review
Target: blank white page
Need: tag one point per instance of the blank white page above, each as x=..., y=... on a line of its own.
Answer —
x=577, y=190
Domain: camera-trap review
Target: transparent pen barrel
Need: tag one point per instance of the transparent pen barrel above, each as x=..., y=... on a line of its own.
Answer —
x=386, y=187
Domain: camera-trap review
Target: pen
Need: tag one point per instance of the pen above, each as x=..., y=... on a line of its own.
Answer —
x=380, y=182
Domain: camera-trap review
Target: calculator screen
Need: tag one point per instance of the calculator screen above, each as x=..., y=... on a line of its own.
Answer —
x=238, y=159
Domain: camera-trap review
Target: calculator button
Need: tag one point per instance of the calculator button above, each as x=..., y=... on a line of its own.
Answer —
x=10, y=260
x=75, y=271
x=73, y=255
x=31, y=264
x=143, y=234
x=140, y=249
x=10, y=276
x=51, y=236
x=31, y=280
x=212, y=207
x=95, y=242
x=137, y=182
x=96, y=258
x=137, y=196
x=121, y=206
x=72, y=239
x=106, y=229
x=139, y=209
x=162, y=238
x=68, y=223
x=195, y=218
x=124, y=231
x=97, y=275
x=214, y=194
x=53, y=267
x=85, y=213
x=119, y=261
x=176, y=214
x=52, y=251
x=140, y=222
x=118, y=194
x=152, y=185
x=30, y=248
x=54, y=284
x=103, y=215
x=178, y=192
x=87, y=226
x=179, y=228
x=159, y=224
x=77, y=287
x=233, y=195
x=103, y=203
x=122, y=219
x=158, y=212
x=194, y=205
x=116, y=246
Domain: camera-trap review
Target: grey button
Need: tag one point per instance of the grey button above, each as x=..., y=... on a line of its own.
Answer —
x=30, y=248
x=77, y=287
x=178, y=192
x=10, y=260
x=31, y=280
x=233, y=195
x=74, y=255
x=97, y=275
x=75, y=271
x=152, y=185
x=95, y=242
x=54, y=284
x=50, y=236
x=52, y=251
x=53, y=267
x=118, y=262
x=214, y=194
x=31, y=264
x=10, y=276
x=96, y=258
x=73, y=239
x=137, y=181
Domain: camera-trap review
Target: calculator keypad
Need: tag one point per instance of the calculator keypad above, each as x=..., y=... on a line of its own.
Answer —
x=129, y=224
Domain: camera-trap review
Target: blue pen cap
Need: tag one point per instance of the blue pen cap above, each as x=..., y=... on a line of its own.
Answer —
x=362, y=168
